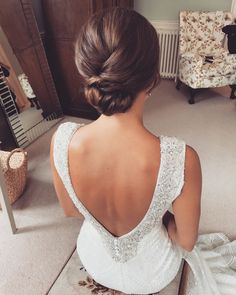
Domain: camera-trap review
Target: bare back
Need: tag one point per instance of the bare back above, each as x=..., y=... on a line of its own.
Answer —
x=114, y=173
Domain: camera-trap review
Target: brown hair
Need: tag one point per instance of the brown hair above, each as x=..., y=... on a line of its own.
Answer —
x=117, y=54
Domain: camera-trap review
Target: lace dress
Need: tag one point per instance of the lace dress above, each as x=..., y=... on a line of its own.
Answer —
x=145, y=260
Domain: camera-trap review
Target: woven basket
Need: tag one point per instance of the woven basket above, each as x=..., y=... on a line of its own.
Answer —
x=14, y=167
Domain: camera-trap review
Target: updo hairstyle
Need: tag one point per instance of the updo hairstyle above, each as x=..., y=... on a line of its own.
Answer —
x=117, y=55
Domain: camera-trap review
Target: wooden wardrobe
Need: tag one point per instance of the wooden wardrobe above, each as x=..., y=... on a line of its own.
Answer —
x=63, y=20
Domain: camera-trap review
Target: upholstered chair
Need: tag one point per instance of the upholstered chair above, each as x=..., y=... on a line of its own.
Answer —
x=204, y=62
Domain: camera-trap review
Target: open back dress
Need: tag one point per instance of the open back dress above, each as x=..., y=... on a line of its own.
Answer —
x=145, y=260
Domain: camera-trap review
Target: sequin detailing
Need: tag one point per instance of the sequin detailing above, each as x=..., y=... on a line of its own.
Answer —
x=168, y=186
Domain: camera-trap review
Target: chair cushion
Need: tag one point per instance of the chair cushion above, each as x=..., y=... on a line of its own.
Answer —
x=202, y=31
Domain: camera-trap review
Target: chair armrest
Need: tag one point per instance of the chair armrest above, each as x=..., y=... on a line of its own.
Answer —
x=190, y=66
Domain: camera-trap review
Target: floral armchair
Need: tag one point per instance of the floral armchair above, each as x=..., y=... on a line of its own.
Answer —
x=203, y=60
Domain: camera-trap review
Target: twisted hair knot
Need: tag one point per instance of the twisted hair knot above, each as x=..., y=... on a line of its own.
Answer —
x=117, y=55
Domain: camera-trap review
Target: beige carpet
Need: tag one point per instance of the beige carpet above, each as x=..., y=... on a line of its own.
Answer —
x=32, y=259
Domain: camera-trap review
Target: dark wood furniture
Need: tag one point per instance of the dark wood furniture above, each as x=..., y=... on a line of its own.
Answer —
x=63, y=20
x=19, y=24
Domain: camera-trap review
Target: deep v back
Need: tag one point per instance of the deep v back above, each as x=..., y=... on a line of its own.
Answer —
x=160, y=200
x=146, y=260
x=80, y=204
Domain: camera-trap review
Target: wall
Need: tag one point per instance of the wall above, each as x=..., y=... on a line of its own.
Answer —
x=233, y=8
x=169, y=9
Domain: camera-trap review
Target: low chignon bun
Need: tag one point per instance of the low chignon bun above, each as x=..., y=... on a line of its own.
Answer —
x=106, y=97
x=117, y=56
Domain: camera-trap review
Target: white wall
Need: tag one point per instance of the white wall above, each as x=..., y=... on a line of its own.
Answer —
x=169, y=9
x=233, y=7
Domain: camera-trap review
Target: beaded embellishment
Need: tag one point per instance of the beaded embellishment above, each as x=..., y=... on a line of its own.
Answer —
x=170, y=180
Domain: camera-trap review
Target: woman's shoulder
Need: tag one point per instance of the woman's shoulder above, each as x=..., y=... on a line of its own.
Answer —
x=64, y=129
x=172, y=143
x=172, y=138
x=179, y=143
x=63, y=132
x=69, y=124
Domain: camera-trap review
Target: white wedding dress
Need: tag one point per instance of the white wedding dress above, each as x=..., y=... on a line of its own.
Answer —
x=145, y=260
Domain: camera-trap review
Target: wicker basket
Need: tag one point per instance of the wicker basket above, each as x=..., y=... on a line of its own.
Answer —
x=14, y=167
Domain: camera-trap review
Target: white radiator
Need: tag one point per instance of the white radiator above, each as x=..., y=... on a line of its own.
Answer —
x=168, y=33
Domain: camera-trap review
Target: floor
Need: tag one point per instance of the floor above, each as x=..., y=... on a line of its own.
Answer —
x=32, y=260
x=30, y=117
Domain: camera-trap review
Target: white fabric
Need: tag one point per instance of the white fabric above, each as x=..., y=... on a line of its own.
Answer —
x=145, y=260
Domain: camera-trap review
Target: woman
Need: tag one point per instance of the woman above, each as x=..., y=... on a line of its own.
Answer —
x=123, y=179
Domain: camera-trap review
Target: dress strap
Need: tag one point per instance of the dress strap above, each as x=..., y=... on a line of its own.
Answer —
x=174, y=159
x=180, y=167
x=62, y=140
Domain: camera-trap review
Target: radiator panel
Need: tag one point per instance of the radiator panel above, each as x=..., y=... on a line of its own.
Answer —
x=168, y=33
x=168, y=42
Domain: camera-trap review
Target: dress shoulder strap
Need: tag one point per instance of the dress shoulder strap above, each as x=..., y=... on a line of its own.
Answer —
x=62, y=139
x=174, y=154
